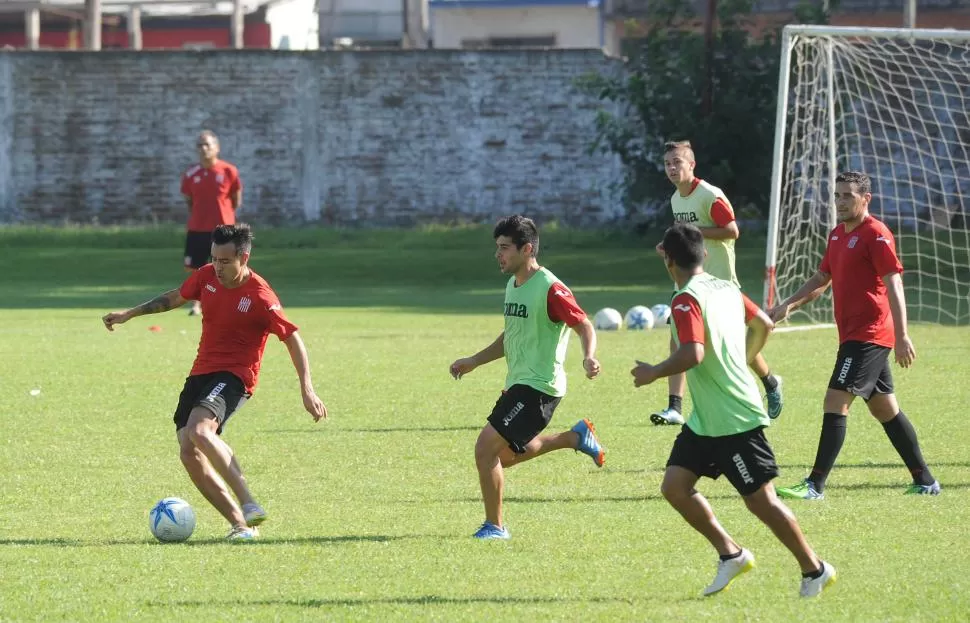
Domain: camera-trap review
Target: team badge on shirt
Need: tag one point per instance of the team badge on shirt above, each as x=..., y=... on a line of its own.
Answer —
x=219, y=178
x=244, y=304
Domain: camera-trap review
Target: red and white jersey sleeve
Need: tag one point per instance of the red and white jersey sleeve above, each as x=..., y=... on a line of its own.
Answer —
x=561, y=305
x=688, y=321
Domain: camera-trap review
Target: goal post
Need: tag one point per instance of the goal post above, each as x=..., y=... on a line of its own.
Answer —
x=893, y=103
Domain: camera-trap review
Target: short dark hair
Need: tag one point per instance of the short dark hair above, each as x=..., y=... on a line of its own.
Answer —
x=240, y=235
x=684, y=245
x=209, y=134
x=861, y=181
x=520, y=229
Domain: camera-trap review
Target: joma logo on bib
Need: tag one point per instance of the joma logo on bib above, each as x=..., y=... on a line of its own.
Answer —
x=517, y=310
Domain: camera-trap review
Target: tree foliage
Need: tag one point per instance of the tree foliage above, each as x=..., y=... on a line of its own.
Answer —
x=661, y=96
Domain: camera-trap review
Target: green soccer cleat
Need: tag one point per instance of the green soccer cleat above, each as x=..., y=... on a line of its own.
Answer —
x=805, y=490
x=915, y=489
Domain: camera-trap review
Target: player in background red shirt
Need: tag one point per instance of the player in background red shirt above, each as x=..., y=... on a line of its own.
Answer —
x=240, y=311
x=213, y=192
x=870, y=313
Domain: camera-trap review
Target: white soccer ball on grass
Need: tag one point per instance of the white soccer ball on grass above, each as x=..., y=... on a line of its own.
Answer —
x=638, y=318
x=661, y=313
x=607, y=319
x=172, y=520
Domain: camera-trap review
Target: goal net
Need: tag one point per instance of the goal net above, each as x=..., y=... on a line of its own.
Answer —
x=894, y=104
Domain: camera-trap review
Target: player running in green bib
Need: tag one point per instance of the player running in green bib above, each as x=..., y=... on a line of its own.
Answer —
x=706, y=206
x=539, y=311
x=725, y=432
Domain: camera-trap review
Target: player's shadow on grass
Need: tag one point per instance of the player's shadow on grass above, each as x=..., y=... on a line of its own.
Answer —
x=838, y=466
x=396, y=429
x=577, y=499
x=420, y=600
x=305, y=540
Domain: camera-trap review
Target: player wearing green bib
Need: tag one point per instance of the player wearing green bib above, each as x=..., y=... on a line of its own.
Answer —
x=539, y=311
x=725, y=433
x=706, y=207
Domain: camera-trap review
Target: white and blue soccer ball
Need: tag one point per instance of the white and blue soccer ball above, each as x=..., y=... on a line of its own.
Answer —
x=638, y=318
x=607, y=319
x=172, y=520
x=661, y=313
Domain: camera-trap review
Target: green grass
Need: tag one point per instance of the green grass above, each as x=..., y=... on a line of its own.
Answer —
x=371, y=512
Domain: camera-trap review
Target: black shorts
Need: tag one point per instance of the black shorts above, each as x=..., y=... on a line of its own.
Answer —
x=198, y=248
x=521, y=413
x=222, y=393
x=746, y=458
x=862, y=369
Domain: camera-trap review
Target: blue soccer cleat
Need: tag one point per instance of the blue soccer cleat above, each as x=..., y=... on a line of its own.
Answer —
x=589, y=444
x=490, y=531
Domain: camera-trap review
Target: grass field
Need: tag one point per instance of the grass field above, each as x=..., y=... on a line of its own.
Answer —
x=372, y=511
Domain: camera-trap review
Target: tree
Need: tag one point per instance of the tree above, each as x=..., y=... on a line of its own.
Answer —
x=718, y=91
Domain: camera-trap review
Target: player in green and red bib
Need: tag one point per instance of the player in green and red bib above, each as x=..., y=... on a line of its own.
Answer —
x=707, y=207
x=717, y=332
x=539, y=312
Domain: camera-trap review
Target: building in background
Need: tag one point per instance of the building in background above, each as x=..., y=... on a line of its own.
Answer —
x=480, y=24
x=156, y=24
x=345, y=24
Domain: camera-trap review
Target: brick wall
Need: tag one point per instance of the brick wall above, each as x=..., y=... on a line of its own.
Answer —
x=335, y=138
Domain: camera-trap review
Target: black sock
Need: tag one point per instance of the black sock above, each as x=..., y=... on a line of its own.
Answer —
x=814, y=575
x=829, y=446
x=731, y=556
x=675, y=403
x=903, y=436
x=770, y=382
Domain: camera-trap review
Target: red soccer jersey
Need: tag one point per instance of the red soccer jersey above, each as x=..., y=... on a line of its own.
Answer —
x=857, y=261
x=235, y=324
x=689, y=321
x=561, y=305
x=211, y=191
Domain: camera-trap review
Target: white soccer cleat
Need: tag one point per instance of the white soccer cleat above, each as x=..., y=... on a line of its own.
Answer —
x=254, y=514
x=242, y=534
x=667, y=417
x=813, y=587
x=727, y=570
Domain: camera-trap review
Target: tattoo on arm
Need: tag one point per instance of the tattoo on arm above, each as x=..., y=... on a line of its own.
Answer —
x=161, y=303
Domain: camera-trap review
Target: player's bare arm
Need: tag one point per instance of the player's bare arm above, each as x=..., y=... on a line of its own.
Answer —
x=810, y=290
x=905, y=351
x=760, y=327
x=495, y=350
x=162, y=303
x=587, y=338
x=728, y=232
x=301, y=361
x=236, y=199
x=683, y=359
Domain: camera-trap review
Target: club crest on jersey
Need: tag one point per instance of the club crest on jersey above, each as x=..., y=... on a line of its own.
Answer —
x=219, y=178
x=852, y=241
x=244, y=304
x=197, y=179
x=516, y=310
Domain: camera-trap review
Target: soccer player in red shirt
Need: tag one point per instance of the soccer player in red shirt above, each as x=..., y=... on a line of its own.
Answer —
x=870, y=313
x=240, y=311
x=213, y=192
